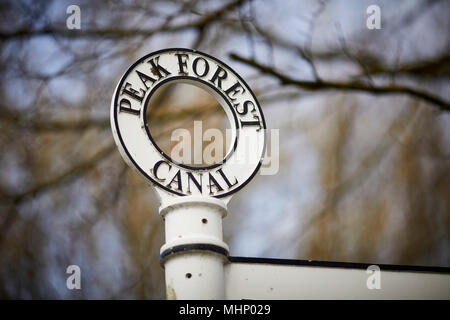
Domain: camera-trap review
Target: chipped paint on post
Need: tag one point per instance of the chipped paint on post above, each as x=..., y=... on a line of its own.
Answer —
x=170, y=293
x=194, y=253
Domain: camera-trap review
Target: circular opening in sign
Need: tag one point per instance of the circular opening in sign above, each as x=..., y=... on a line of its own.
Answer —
x=189, y=125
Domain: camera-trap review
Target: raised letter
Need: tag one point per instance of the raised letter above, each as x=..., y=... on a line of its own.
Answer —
x=226, y=179
x=197, y=183
x=205, y=70
x=144, y=78
x=213, y=183
x=219, y=75
x=182, y=63
x=156, y=68
x=177, y=180
x=252, y=123
x=128, y=108
x=156, y=167
x=235, y=88
x=245, y=107
x=133, y=93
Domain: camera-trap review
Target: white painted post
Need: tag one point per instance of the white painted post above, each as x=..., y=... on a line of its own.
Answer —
x=194, y=253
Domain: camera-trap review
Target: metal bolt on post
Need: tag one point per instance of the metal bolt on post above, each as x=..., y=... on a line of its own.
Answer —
x=194, y=253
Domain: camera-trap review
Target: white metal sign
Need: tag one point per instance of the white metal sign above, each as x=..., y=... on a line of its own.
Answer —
x=272, y=279
x=132, y=133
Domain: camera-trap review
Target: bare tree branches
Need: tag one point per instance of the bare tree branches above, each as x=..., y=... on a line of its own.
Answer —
x=52, y=125
x=63, y=177
x=436, y=101
x=113, y=33
x=437, y=67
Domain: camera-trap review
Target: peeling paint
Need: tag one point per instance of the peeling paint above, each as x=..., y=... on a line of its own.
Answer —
x=170, y=293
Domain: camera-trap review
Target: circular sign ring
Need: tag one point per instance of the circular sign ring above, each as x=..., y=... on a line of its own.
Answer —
x=132, y=133
x=213, y=91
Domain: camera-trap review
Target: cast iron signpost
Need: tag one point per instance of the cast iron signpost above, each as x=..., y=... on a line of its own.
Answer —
x=194, y=199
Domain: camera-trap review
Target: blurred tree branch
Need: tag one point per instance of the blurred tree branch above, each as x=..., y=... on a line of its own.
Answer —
x=109, y=33
x=64, y=177
x=20, y=121
x=284, y=79
x=437, y=67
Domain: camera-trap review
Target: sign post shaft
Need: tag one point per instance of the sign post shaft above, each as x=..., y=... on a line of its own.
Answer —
x=194, y=253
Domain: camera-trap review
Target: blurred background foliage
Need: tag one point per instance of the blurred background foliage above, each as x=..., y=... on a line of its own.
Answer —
x=364, y=167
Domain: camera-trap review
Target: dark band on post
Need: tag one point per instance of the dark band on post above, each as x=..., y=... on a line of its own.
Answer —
x=192, y=247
